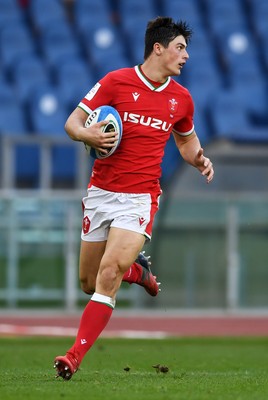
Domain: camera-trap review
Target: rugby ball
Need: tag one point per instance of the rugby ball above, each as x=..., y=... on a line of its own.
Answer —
x=105, y=113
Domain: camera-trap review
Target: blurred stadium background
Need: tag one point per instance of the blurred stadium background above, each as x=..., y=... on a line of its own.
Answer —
x=210, y=242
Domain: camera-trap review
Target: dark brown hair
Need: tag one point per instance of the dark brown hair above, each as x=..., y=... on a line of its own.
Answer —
x=163, y=30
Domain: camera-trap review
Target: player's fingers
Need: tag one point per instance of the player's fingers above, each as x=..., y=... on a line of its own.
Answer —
x=209, y=172
x=102, y=123
x=208, y=166
x=210, y=176
x=112, y=136
x=104, y=150
x=111, y=140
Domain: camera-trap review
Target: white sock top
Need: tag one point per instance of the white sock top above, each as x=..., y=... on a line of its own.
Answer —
x=100, y=298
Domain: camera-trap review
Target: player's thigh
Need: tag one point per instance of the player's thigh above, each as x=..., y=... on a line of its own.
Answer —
x=90, y=257
x=122, y=248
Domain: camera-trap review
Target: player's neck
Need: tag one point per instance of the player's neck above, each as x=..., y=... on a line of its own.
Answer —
x=152, y=74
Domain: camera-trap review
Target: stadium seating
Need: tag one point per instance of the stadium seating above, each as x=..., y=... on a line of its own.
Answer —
x=47, y=111
x=27, y=165
x=52, y=55
x=254, y=98
x=223, y=9
x=234, y=22
x=91, y=13
x=135, y=36
x=12, y=118
x=43, y=12
x=184, y=10
x=15, y=41
x=105, y=49
x=132, y=9
x=10, y=13
x=28, y=74
x=48, y=114
x=228, y=116
x=230, y=120
x=74, y=78
x=13, y=123
x=201, y=125
x=201, y=74
x=264, y=48
x=133, y=17
x=58, y=43
x=259, y=11
x=235, y=48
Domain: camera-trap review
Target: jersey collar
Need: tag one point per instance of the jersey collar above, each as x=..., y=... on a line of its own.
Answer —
x=148, y=83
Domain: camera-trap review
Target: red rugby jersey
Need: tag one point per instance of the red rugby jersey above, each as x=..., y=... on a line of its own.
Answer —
x=149, y=114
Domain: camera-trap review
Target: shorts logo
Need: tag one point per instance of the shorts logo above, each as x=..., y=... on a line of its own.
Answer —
x=141, y=220
x=86, y=225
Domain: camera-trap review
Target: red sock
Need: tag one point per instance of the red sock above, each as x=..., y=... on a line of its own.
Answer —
x=94, y=319
x=133, y=274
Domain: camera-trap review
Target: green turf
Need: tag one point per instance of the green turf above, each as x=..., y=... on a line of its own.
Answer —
x=199, y=369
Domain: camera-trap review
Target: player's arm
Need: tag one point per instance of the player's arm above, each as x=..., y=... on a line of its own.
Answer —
x=192, y=152
x=92, y=136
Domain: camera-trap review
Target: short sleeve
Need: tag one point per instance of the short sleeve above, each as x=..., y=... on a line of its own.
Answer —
x=185, y=126
x=99, y=94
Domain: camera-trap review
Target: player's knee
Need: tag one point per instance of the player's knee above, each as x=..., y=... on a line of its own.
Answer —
x=108, y=274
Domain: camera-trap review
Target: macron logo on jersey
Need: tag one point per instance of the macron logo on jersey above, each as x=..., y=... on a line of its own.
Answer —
x=135, y=96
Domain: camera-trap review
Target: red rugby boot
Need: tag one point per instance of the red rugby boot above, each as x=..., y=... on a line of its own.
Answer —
x=65, y=366
x=147, y=280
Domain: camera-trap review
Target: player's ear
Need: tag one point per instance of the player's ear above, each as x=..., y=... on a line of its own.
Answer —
x=158, y=49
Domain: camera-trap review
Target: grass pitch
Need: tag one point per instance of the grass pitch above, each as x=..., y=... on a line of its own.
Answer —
x=199, y=369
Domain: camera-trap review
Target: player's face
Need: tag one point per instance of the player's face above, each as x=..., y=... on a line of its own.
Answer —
x=175, y=56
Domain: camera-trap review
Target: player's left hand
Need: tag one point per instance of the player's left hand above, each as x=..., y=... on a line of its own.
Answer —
x=204, y=165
